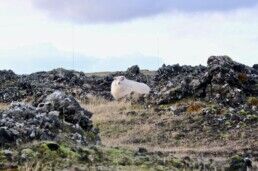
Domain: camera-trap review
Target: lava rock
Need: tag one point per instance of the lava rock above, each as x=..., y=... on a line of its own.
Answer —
x=255, y=66
x=224, y=81
x=22, y=123
x=134, y=70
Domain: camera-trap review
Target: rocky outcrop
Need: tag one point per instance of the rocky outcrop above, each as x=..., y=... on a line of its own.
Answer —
x=72, y=82
x=18, y=87
x=255, y=66
x=7, y=75
x=59, y=117
x=223, y=80
x=230, y=81
x=134, y=73
x=176, y=82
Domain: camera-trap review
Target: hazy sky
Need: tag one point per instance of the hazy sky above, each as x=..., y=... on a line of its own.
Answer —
x=101, y=35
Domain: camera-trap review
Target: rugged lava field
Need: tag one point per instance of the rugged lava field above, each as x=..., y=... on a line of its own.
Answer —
x=195, y=118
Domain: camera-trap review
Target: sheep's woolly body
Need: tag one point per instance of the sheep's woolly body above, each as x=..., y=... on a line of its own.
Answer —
x=121, y=87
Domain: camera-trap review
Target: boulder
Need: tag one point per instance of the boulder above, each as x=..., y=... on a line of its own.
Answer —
x=230, y=80
x=223, y=80
x=58, y=118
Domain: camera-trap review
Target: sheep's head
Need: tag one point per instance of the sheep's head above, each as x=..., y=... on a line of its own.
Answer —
x=119, y=80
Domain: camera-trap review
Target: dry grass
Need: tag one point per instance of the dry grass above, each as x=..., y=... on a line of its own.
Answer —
x=195, y=107
x=3, y=106
x=253, y=101
x=119, y=122
x=33, y=167
x=105, y=110
x=125, y=125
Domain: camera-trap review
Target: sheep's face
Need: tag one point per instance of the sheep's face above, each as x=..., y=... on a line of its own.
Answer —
x=119, y=80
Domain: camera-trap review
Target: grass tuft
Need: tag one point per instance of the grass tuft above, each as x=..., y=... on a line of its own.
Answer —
x=195, y=107
x=3, y=106
x=252, y=101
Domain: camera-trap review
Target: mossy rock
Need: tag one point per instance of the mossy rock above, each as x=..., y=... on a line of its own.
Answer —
x=85, y=154
x=177, y=163
x=66, y=152
x=92, y=137
x=228, y=124
x=243, y=112
x=91, y=155
x=237, y=162
x=140, y=160
x=160, y=168
x=119, y=156
x=252, y=118
x=51, y=151
x=3, y=158
x=28, y=154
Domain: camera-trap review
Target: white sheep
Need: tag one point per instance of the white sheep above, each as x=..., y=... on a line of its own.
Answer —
x=122, y=87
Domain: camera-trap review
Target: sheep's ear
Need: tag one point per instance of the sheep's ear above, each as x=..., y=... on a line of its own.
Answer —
x=122, y=78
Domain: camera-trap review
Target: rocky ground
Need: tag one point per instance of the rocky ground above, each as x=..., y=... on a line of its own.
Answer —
x=201, y=117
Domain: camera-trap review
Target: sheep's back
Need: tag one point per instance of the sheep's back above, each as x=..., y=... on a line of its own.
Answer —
x=128, y=86
x=138, y=87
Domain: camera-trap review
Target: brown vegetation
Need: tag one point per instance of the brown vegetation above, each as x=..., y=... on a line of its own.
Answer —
x=3, y=106
x=253, y=101
x=124, y=125
x=242, y=77
x=195, y=107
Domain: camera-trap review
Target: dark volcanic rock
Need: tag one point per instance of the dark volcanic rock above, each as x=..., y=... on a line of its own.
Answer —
x=134, y=70
x=230, y=81
x=223, y=80
x=67, y=108
x=8, y=92
x=16, y=88
x=133, y=73
x=255, y=66
x=7, y=75
x=176, y=82
x=58, y=117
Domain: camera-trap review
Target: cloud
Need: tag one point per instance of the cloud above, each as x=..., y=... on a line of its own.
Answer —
x=106, y=11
